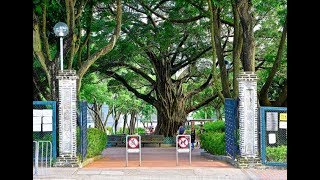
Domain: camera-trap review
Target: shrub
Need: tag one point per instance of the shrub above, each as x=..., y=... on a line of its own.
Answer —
x=214, y=142
x=216, y=126
x=97, y=141
x=277, y=154
x=126, y=131
x=213, y=138
x=141, y=130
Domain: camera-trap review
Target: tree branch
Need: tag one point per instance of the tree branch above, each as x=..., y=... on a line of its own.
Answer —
x=282, y=96
x=69, y=4
x=88, y=32
x=37, y=49
x=44, y=30
x=202, y=87
x=159, y=4
x=203, y=103
x=85, y=66
x=184, y=63
x=172, y=20
x=186, y=35
x=134, y=8
x=144, y=97
x=81, y=7
x=226, y=22
x=265, y=88
x=138, y=71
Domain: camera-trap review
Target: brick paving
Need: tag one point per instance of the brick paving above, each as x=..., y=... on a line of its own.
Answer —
x=159, y=164
x=115, y=157
x=266, y=174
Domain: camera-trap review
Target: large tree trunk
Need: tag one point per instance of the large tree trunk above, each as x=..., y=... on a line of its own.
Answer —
x=168, y=126
x=214, y=51
x=116, y=120
x=282, y=99
x=132, y=122
x=171, y=108
x=125, y=118
x=106, y=120
x=248, y=49
x=219, y=51
x=237, y=47
x=263, y=95
x=96, y=114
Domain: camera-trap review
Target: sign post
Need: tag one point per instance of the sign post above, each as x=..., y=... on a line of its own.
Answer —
x=133, y=145
x=183, y=145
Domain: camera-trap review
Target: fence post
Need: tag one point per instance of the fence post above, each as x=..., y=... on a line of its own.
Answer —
x=36, y=156
x=54, y=130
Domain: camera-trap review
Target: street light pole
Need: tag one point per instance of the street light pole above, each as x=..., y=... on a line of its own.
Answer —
x=61, y=53
x=61, y=29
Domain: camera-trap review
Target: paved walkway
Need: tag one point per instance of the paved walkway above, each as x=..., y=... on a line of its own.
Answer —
x=153, y=157
x=160, y=164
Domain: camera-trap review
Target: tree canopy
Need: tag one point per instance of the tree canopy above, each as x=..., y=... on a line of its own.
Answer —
x=178, y=56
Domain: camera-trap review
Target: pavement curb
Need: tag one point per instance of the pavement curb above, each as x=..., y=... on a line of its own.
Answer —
x=89, y=160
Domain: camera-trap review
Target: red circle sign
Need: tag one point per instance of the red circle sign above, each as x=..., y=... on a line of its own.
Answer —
x=183, y=142
x=133, y=142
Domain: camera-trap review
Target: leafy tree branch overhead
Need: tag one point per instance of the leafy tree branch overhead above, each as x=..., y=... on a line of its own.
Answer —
x=179, y=56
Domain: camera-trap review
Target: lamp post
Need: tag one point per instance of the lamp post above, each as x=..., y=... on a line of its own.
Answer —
x=61, y=29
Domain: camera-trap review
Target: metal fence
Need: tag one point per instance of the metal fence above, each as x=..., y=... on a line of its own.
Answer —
x=273, y=135
x=232, y=126
x=47, y=135
x=169, y=140
x=42, y=157
x=82, y=143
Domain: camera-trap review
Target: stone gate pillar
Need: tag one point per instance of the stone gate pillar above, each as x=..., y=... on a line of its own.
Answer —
x=67, y=118
x=248, y=116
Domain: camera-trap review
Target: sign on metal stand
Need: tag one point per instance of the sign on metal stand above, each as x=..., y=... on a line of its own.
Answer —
x=133, y=145
x=183, y=145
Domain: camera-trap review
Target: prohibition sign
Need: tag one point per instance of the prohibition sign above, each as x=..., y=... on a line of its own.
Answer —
x=183, y=142
x=133, y=142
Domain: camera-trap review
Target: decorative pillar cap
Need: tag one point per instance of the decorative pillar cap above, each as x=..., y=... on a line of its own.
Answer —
x=247, y=76
x=67, y=74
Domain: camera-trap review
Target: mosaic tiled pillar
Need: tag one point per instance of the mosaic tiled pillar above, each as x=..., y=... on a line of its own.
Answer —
x=67, y=112
x=248, y=114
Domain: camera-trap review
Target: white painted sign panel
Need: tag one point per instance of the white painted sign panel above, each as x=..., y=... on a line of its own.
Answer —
x=133, y=150
x=183, y=150
x=36, y=127
x=272, y=121
x=47, y=119
x=272, y=138
x=36, y=120
x=283, y=125
x=37, y=112
x=47, y=127
x=47, y=112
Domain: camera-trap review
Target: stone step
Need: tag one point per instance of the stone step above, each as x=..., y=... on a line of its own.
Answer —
x=66, y=160
x=66, y=165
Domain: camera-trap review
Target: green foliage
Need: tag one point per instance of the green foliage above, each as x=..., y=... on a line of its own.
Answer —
x=97, y=141
x=214, y=142
x=126, y=131
x=216, y=126
x=277, y=154
x=213, y=138
x=109, y=129
x=187, y=131
x=141, y=130
x=94, y=89
x=42, y=136
x=146, y=112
